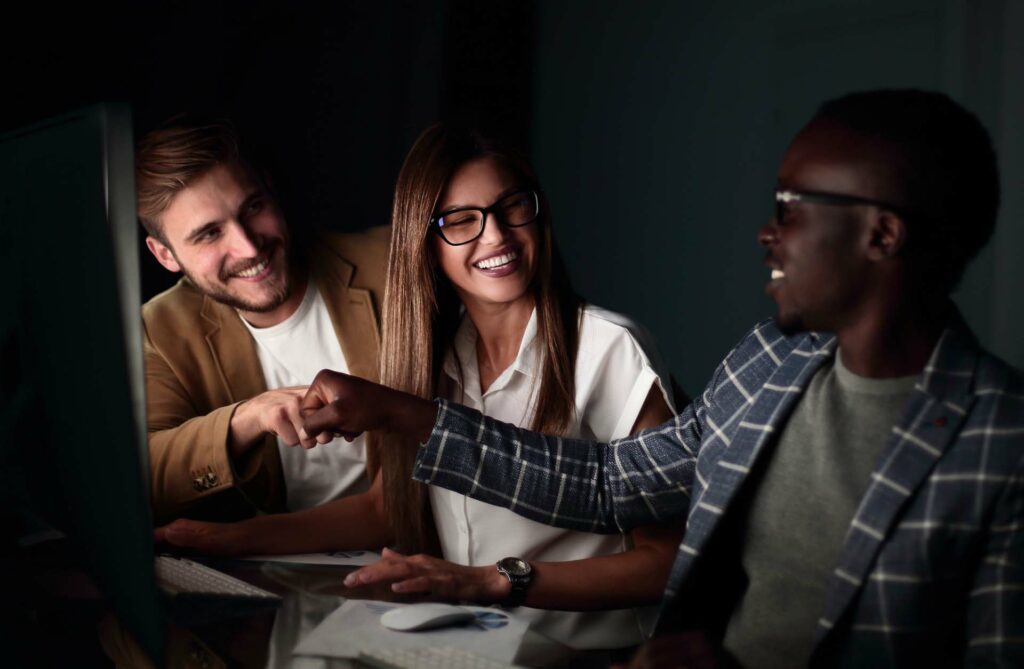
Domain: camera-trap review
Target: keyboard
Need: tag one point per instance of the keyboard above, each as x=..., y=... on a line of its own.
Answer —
x=427, y=658
x=181, y=577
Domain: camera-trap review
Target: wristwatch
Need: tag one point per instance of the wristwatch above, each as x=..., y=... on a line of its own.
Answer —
x=519, y=574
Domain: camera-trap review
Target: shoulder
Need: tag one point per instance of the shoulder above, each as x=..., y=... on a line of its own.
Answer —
x=765, y=341
x=600, y=328
x=360, y=248
x=366, y=252
x=611, y=342
x=755, y=359
x=178, y=305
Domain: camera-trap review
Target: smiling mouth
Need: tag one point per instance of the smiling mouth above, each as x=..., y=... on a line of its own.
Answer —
x=253, y=270
x=498, y=261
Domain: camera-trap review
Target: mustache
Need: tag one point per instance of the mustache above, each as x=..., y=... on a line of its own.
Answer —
x=263, y=254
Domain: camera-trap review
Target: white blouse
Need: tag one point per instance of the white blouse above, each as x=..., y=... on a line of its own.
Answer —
x=616, y=366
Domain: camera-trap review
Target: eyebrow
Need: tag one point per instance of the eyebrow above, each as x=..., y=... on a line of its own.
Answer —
x=201, y=230
x=504, y=194
x=204, y=228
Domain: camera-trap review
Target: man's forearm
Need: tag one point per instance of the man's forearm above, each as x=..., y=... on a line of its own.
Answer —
x=570, y=483
x=411, y=416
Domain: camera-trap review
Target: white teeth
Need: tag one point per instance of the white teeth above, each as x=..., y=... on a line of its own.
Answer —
x=253, y=271
x=777, y=274
x=497, y=261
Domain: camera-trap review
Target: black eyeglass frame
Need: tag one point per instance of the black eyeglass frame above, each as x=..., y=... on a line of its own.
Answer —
x=435, y=221
x=784, y=196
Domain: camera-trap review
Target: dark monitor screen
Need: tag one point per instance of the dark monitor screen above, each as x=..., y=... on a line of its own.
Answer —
x=72, y=430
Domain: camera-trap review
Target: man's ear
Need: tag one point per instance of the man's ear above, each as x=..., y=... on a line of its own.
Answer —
x=162, y=254
x=888, y=236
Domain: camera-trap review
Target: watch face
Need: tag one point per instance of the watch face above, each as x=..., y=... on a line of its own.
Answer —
x=515, y=566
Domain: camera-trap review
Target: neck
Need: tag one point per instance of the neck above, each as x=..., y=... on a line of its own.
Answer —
x=281, y=313
x=895, y=339
x=500, y=329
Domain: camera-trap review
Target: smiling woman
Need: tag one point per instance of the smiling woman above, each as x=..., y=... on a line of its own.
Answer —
x=479, y=309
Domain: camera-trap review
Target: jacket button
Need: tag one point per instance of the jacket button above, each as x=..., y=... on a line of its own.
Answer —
x=211, y=479
x=199, y=483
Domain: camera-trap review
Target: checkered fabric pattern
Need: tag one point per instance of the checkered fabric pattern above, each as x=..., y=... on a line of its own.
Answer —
x=933, y=561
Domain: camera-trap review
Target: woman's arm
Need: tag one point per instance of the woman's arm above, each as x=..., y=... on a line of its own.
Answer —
x=354, y=522
x=632, y=578
x=635, y=577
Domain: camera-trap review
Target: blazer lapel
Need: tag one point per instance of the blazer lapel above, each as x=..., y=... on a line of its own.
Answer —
x=352, y=310
x=930, y=421
x=752, y=432
x=233, y=351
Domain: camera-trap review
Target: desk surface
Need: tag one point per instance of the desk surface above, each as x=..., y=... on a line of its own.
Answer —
x=266, y=640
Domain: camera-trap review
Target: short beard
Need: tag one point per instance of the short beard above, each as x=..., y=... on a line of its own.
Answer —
x=276, y=299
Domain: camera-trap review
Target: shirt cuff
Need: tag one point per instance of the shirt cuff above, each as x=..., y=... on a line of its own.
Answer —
x=428, y=456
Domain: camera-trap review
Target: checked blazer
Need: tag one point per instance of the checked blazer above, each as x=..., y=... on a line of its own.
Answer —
x=932, y=567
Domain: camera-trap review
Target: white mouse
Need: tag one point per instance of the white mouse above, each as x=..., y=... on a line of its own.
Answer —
x=416, y=617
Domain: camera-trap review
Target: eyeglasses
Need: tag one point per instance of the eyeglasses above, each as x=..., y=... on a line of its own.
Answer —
x=784, y=197
x=463, y=225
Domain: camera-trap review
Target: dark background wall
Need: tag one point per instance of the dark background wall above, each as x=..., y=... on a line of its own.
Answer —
x=656, y=127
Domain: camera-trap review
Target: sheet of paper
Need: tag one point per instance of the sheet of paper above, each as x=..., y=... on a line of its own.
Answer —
x=337, y=558
x=356, y=626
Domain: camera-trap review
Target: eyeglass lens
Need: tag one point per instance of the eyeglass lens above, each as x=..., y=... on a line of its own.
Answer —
x=460, y=227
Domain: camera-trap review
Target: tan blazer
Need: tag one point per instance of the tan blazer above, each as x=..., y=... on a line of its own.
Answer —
x=201, y=363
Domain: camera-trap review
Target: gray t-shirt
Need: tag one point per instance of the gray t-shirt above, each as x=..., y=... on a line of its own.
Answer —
x=796, y=521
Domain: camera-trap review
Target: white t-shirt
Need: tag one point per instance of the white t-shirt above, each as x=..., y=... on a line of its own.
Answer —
x=615, y=368
x=291, y=353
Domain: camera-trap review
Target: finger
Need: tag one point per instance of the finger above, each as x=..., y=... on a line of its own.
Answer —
x=316, y=398
x=417, y=585
x=327, y=419
x=301, y=435
x=181, y=533
x=385, y=572
x=285, y=431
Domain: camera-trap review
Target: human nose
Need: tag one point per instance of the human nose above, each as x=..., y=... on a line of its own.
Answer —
x=242, y=241
x=767, y=235
x=494, y=232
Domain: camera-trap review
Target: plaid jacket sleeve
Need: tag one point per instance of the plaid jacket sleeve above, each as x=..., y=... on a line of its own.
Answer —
x=995, y=610
x=569, y=483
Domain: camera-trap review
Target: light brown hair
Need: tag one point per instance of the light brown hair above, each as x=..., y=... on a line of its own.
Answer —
x=170, y=158
x=421, y=315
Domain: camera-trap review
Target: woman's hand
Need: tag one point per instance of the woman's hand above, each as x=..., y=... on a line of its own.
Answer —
x=343, y=405
x=223, y=539
x=434, y=579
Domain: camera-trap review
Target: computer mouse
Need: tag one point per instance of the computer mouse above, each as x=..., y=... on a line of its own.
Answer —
x=417, y=617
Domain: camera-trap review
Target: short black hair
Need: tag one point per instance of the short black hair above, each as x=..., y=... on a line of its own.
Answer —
x=947, y=165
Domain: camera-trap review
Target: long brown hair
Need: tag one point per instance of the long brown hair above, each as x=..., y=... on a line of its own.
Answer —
x=421, y=316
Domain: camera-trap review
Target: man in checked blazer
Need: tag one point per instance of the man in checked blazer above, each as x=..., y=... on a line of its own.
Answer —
x=852, y=477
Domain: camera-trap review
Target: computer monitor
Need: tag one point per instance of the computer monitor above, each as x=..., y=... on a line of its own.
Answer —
x=72, y=407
